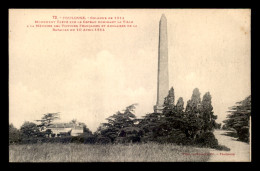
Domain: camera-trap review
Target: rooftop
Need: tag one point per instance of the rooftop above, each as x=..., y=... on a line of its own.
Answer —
x=65, y=125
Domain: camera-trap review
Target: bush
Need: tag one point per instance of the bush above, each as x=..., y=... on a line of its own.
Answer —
x=175, y=136
x=207, y=139
x=148, y=137
x=34, y=140
x=14, y=135
x=85, y=138
x=243, y=134
x=120, y=140
x=29, y=140
x=66, y=139
x=90, y=140
x=103, y=140
x=128, y=139
x=77, y=139
x=30, y=129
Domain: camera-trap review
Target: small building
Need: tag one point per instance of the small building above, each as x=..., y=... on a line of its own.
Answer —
x=76, y=130
x=65, y=129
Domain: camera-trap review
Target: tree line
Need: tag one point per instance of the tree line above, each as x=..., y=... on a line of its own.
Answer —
x=190, y=125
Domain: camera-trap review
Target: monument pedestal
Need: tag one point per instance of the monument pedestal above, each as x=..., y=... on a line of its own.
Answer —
x=158, y=109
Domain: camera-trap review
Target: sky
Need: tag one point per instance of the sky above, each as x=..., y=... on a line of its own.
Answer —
x=89, y=76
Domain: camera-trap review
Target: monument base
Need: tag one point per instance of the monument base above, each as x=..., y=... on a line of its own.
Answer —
x=158, y=109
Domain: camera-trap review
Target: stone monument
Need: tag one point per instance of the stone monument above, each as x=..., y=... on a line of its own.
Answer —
x=162, y=77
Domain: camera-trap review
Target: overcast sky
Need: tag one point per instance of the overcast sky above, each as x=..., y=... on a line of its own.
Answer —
x=89, y=76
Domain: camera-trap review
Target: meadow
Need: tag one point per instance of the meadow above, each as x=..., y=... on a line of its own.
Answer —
x=148, y=152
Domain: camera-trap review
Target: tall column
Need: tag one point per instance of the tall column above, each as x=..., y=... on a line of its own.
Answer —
x=162, y=78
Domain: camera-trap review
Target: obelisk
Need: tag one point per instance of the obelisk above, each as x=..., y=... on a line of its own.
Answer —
x=162, y=77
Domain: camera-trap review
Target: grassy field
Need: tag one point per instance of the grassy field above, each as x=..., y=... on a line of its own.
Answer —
x=149, y=152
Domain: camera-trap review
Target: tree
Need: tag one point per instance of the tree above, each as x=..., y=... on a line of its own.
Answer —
x=48, y=132
x=29, y=129
x=121, y=124
x=169, y=100
x=86, y=130
x=193, y=123
x=168, y=126
x=180, y=105
x=47, y=120
x=73, y=121
x=149, y=125
x=218, y=125
x=207, y=114
x=14, y=134
x=239, y=117
x=193, y=104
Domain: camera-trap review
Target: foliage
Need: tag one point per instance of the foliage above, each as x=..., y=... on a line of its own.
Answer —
x=239, y=117
x=121, y=126
x=34, y=140
x=30, y=129
x=48, y=132
x=193, y=104
x=169, y=100
x=175, y=125
x=180, y=106
x=218, y=126
x=207, y=114
x=192, y=125
x=207, y=139
x=47, y=119
x=192, y=119
x=85, y=138
x=86, y=130
x=149, y=126
x=73, y=121
x=14, y=134
x=102, y=140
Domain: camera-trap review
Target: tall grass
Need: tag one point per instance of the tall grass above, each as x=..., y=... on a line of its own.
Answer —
x=150, y=152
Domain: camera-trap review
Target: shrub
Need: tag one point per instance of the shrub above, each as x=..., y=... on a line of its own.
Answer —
x=148, y=137
x=175, y=136
x=30, y=129
x=243, y=134
x=90, y=140
x=85, y=138
x=77, y=139
x=66, y=139
x=14, y=135
x=103, y=140
x=207, y=139
x=33, y=140
x=120, y=140
x=129, y=135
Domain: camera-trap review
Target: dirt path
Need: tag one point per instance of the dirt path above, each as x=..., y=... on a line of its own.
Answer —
x=239, y=151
